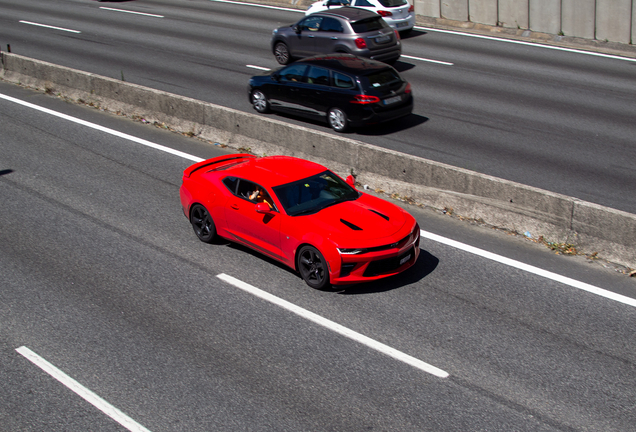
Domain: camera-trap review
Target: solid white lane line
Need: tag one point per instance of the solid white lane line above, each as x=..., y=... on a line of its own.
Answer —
x=533, y=44
x=526, y=267
x=427, y=60
x=344, y=331
x=82, y=391
x=49, y=26
x=531, y=269
x=258, y=67
x=131, y=12
x=103, y=129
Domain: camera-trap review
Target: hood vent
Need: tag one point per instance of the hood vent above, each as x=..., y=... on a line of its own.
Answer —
x=350, y=225
x=380, y=214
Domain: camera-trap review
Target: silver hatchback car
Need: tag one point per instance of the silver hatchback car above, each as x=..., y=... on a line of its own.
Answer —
x=343, y=30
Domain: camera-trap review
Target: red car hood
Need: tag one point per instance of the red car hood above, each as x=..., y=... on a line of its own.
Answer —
x=367, y=218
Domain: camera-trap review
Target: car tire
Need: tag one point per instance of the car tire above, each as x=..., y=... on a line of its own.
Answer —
x=202, y=223
x=313, y=268
x=260, y=101
x=337, y=119
x=281, y=52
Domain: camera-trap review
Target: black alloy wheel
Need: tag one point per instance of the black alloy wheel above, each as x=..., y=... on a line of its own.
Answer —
x=337, y=120
x=282, y=53
x=260, y=102
x=313, y=268
x=202, y=223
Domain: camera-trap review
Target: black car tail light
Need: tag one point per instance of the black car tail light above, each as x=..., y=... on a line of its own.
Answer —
x=361, y=43
x=365, y=99
x=397, y=34
x=407, y=90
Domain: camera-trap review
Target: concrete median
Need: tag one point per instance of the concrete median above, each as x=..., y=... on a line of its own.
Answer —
x=607, y=233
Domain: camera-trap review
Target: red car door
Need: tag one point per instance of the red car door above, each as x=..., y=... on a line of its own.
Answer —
x=260, y=231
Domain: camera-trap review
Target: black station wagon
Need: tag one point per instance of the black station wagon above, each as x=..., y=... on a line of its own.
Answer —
x=342, y=89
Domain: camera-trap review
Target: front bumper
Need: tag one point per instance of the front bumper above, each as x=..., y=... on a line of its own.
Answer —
x=378, y=265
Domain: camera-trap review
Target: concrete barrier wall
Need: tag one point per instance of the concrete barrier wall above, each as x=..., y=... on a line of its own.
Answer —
x=578, y=18
x=545, y=16
x=614, y=20
x=455, y=9
x=611, y=20
x=501, y=203
x=513, y=13
x=483, y=11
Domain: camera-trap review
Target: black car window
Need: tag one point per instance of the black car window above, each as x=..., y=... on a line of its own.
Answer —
x=312, y=194
x=311, y=23
x=253, y=192
x=295, y=73
x=364, y=3
x=342, y=80
x=393, y=3
x=331, y=25
x=318, y=75
x=369, y=24
x=230, y=183
x=384, y=77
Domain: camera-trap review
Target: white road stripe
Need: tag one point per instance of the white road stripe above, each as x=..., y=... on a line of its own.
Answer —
x=49, y=26
x=526, y=267
x=427, y=60
x=258, y=67
x=530, y=269
x=360, y=338
x=131, y=12
x=533, y=44
x=82, y=391
x=103, y=129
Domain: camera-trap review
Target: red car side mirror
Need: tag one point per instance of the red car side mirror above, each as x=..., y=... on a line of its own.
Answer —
x=351, y=181
x=263, y=208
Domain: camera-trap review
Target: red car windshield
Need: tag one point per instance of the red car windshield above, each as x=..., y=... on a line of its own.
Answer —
x=314, y=193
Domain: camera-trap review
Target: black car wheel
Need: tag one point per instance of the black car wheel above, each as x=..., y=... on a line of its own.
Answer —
x=202, y=223
x=337, y=119
x=259, y=101
x=313, y=268
x=282, y=53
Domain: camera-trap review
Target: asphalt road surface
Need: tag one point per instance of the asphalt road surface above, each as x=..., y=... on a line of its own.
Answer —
x=558, y=120
x=113, y=316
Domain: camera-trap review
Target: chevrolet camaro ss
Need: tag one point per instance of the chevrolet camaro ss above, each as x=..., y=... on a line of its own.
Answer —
x=301, y=214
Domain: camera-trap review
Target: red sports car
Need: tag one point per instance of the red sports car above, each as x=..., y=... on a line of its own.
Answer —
x=301, y=214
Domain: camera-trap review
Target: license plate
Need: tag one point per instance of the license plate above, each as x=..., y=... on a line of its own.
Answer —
x=382, y=39
x=402, y=24
x=405, y=259
x=392, y=100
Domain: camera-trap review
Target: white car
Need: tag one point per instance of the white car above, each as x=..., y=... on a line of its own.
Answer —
x=399, y=14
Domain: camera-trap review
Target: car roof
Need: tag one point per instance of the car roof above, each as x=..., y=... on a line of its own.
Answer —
x=349, y=13
x=271, y=171
x=347, y=63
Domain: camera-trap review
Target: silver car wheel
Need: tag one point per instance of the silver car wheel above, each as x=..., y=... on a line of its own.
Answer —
x=260, y=102
x=282, y=53
x=337, y=119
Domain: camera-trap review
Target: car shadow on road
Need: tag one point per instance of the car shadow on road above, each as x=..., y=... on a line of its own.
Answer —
x=425, y=265
x=387, y=128
x=413, y=34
